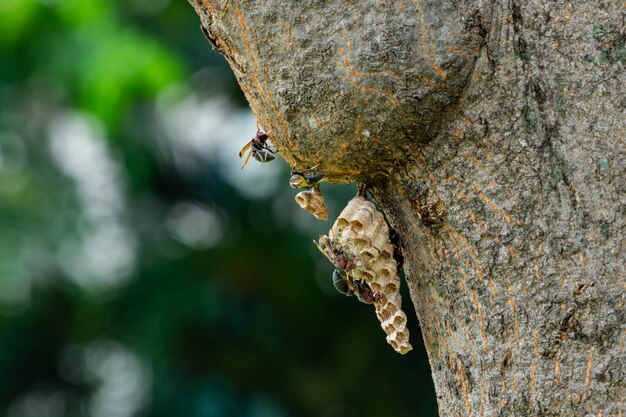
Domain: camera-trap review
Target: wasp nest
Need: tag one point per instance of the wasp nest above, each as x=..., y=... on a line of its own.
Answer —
x=313, y=201
x=364, y=237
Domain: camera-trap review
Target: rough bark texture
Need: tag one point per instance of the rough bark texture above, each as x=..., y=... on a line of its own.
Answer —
x=492, y=134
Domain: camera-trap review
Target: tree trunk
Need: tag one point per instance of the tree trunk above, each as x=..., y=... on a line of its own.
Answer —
x=492, y=135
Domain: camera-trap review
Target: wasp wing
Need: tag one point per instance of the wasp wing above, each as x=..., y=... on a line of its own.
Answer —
x=324, y=252
x=247, y=159
x=245, y=148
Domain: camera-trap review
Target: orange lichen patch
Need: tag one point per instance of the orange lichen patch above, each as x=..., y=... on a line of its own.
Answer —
x=425, y=259
x=276, y=112
x=317, y=120
x=474, y=220
x=380, y=142
x=457, y=132
x=455, y=50
x=533, y=377
x=392, y=74
x=343, y=171
x=464, y=387
x=462, y=195
x=422, y=160
x=254, y=35
x=426, y=43
x=385, y=93
x=356, y=21
x=417, y=264
x=231, y=21
x=258, y=104
x=469, y=249
x=455, y=243
x=511, y=250
x=538, y=272
x=358, y=128
x=438, y=71
x=482, y=321
x=388, y=94
x=473, y=160
x=259, y=89
x=348, y=65
x=516, y=324
x=313, y=138
x=483, y=386
x=208, y=6
x=557, y=369
x=427, y=80
x=491, y=205
x=245, y=38
x=432, y=254
x=589, y=366
x=342, y=152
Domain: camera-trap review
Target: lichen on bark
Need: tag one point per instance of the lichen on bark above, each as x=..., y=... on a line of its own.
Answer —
x=349, y=88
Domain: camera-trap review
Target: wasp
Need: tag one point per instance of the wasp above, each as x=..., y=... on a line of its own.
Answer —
x=305, y=179
x=343, y=280
x=334, y=255
x=258, y=148
x=343, y=284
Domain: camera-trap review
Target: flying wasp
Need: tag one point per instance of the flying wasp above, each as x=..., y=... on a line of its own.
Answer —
x=258, y=148
x=305, y=179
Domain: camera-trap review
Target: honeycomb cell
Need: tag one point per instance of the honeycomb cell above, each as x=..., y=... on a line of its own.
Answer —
x=313, y=202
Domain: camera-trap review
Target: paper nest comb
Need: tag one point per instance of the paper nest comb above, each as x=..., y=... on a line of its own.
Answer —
x=364, y=236
x=313, y=201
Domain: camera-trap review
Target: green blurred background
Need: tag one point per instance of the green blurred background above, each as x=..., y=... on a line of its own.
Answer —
x=142, y=273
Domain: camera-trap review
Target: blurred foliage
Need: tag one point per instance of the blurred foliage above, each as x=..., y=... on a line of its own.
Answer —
x=141, y=273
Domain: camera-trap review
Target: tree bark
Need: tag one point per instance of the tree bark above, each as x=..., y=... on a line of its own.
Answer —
x=492, y=135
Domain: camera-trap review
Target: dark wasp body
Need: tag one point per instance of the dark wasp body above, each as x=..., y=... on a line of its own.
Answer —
x=334, y=255
x=361, y=289
x=343, y=280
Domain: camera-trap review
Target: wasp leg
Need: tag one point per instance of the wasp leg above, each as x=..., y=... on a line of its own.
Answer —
x=350, y=282
x=262, y=155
